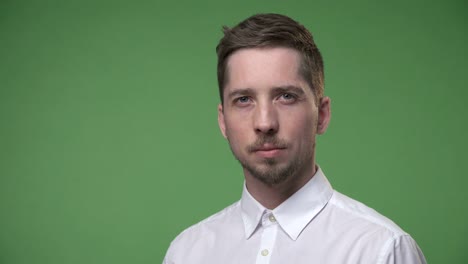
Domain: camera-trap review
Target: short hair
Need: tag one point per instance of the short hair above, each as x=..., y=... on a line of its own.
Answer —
x=272, y=30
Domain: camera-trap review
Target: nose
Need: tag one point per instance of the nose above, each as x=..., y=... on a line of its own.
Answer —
x=266, y=119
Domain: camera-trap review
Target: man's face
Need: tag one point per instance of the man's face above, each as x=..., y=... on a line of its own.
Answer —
x=269, y=114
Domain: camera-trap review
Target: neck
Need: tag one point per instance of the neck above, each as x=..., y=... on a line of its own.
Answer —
x=270, y=196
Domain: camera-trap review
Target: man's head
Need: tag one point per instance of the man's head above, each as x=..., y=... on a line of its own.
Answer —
x=272, y=30
x=270, y=113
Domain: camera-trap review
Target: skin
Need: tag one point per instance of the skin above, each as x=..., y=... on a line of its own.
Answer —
x=270, y=118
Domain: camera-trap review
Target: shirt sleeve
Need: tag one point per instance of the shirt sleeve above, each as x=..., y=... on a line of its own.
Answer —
x=402, y=250
x=167, y=258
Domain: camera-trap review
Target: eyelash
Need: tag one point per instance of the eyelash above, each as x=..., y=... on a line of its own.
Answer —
x=238, y=100
x=293, y=96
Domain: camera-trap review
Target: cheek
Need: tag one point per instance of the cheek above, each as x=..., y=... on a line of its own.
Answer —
x=236, y=130
x=300, y=126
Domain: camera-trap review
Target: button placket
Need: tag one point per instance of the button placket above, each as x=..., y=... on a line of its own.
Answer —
x=269, y=231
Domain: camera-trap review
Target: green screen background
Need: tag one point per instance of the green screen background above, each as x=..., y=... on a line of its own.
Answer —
x=109, y=144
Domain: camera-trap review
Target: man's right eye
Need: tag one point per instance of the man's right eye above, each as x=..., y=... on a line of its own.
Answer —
x=243, y=99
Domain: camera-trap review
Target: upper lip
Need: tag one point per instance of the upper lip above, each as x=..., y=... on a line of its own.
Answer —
x=267, y=147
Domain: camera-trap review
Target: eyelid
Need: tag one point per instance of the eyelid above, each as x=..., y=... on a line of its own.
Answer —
x=237, y=93
x=293, y=95
x=242, y=96
x=236, y=100
x=293, y=98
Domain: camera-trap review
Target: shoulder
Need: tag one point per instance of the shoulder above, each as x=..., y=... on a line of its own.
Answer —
x=212, y=222
x=362, y=213
x=391, y=242
x=206, y=232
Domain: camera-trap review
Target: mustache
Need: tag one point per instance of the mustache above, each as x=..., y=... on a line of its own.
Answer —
x=263, y=140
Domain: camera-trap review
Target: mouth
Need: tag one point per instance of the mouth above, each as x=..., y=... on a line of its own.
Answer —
x=268, y=150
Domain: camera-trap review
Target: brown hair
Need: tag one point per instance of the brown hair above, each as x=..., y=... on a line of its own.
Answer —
x=272, y=30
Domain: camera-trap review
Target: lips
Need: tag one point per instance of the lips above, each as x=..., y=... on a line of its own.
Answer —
x=267, y=147
x=268, y=150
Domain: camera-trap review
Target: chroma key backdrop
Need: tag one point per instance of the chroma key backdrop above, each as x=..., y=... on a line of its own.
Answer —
x=109, y=143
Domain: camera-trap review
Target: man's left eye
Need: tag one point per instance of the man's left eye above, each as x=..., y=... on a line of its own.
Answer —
x=288, y=96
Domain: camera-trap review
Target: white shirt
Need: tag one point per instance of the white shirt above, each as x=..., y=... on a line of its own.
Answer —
x=314, y=225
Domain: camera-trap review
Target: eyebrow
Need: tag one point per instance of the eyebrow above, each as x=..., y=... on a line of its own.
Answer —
x=289, y=88
x=239, y=92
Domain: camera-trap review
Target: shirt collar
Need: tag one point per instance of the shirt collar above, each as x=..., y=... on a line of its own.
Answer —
x=295, y=213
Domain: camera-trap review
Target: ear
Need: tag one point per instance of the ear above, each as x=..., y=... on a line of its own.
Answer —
x=324, y=115
x=221, y=123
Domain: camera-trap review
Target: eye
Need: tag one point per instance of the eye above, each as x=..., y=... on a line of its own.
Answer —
x=288, y=97
x=242, y=101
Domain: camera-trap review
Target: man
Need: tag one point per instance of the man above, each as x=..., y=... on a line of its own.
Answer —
x=270, y=76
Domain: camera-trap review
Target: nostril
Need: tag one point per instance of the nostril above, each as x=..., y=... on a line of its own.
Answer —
x=266, y=131
x=271, y=131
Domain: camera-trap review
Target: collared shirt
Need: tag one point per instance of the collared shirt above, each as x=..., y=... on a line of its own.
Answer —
x=314, y=225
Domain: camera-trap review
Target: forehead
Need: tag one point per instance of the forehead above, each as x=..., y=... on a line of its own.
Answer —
x=263, y=67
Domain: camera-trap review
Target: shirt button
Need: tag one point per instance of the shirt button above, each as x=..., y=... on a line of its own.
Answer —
x=272, y=218
x=265, y=252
